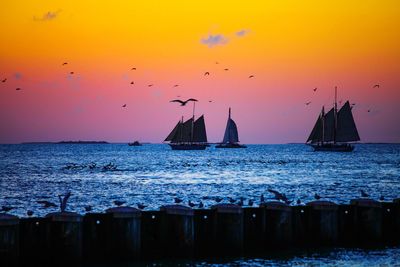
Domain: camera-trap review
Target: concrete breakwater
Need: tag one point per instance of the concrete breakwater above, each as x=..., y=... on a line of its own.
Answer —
x=126, y=233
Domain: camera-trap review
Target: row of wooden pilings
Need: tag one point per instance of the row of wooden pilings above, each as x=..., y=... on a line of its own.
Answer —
x=125, y=233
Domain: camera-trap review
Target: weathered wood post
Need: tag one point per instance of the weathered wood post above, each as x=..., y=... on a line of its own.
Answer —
x=346, y=225
x=253, y=230
x=397, y=219
x=323, y=222
x=151, y=234
x=368, y=221
x=124, y=233
x=33, y=240
x=178, y=230
x=64, y=237
x=228, y=229
x=9, y=240
x=390, y=224
x=203, y=232
x=96, y=227
x=301, y=226
x=278, y=225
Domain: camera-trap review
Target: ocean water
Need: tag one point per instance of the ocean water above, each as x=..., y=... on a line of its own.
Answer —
x=153, y=174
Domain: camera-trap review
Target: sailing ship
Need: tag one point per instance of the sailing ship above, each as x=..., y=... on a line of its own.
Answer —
x=231, y=137
x=188, y=135
x=334, y=130
x=136, y=143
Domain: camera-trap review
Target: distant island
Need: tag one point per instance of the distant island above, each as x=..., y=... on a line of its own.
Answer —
x=67, y=142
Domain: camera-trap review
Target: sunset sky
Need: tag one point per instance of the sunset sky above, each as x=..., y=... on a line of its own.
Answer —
x=291, y=47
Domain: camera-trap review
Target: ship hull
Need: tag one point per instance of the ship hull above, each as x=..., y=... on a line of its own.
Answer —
x=230, y=145
x=188, y=146
x=333, y=147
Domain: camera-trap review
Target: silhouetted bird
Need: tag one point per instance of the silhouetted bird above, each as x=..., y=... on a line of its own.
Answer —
x=176, y=85
x=46, y=204
x=382, y=198
x=141, y=206
x=132, y=82
x=119, y=203
x=250, y=203
x=251, y=76
x=218, y=199
x=316, y=196
x=71, y=72
x=177, y=200
x=210, y=101
x=64, y=200
x=241, y=201
x=262, y=199
x=183, y=103
x=226, y=69
x=363, y=193
x=288, y=202
x=6, y=208
x=124, y=105
x=298, y=202
x=201, y=205
x=368, y=110
x=308, y=103
x=278, y=195
x=29, y=213
x=191, y=204
x=206, y=73
x=18, y=89
x=376, y=86
x=4, y=80
x=65, y=63
x=315, y=89
x=150, y=85
x=88, y=208
x=231, y=200
x=216, y=62
x=133, y=69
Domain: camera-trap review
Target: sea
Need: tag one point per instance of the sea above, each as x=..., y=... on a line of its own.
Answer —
x=153, y=175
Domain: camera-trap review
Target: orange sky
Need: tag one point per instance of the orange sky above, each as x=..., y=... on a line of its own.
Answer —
x=290, y=47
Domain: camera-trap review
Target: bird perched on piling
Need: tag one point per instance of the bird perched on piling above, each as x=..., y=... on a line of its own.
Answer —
x=241, y=201
x=46, y=204
x=298, y=202
x=191, y=204
x=201, y=205
x=64, y=200
x=29, y=213
x=381, y=198
x=141, y=206
x=262, y=199
x=231, y=200
x=218, y=199
x=6, y=208
x=119, y=203
x=177, y=200
x=250, y=203
x=88, y=208
x=317, y=197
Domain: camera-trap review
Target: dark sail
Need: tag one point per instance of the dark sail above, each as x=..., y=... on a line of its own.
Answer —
x=316, y=133
x=329, y=126
x=199, y=130
x=231, y=132
x=183, y=133
x=173, y=132
x=346, y=127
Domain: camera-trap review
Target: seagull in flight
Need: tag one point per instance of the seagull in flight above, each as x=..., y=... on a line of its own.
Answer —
x=206, y=73
x=65, y=63
x=183, y=103
x=124, y=105
x=226, y=69
x=4, y=80
x=251, y=76
x=308, y=103
x=176, y=85
x=150, y=85
x=315, y=89
x=376, y=86
x=18, y=89
x=368, y=110
x=71, y=72
x=132, y=82
x=133, y=69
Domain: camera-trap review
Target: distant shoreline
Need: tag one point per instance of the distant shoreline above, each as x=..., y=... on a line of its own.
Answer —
x=212, y=143
x=65, y=142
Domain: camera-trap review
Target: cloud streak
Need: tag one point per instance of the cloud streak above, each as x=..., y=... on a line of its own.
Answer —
x=213, y=40
x=50, y=15
x=242, y=33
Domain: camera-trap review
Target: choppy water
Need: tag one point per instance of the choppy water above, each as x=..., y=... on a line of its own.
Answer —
x=154, y=175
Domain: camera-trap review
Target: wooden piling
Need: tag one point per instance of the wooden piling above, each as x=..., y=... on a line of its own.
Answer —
x=151, y=234
x=204, y=232
x=32, y=240
x=64, y=238
x=323, y=223
x=301, y=226
x=346, y=225
x=368, y=221
x=9, y=240
x=96, y=229
x=124, y=233
x=278, y=225
x=178, y=230
x=390, y=226
x=253, y=230
x=228, y=229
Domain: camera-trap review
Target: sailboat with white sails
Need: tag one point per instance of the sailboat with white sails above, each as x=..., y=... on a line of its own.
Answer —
x=231, y=136
x=334, y=130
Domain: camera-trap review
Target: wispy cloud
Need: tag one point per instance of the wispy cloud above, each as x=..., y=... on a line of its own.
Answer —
x=50, y=15
x=213, y=40
x=18, y=76
x=242, y=33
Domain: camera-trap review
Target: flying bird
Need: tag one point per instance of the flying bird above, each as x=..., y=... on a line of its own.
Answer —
x=315, y=89
x=206, y=73
x=18, y=89
x=176, y=85
x=4, y=80
x=133, y=69
x=150, y=85
x=183, y=103
x=71, y=72
x=251, y=76
x=368, y=110
x=65, y=63
x=308, y=103
x=132, y=82
x=226, y=69
x=376, y=86
x=210, y=101
x=124, y=105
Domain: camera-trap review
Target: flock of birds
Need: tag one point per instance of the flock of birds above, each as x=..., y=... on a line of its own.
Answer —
x=63, y=201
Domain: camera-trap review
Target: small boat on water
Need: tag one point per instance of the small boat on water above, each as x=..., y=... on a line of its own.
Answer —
x=334, y=130
x=188, y=135
x=231, y=137
x=136, y=143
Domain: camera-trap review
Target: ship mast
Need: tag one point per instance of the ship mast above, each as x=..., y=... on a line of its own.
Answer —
x=335, y=117
x=229, y=121
x=191, y=136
